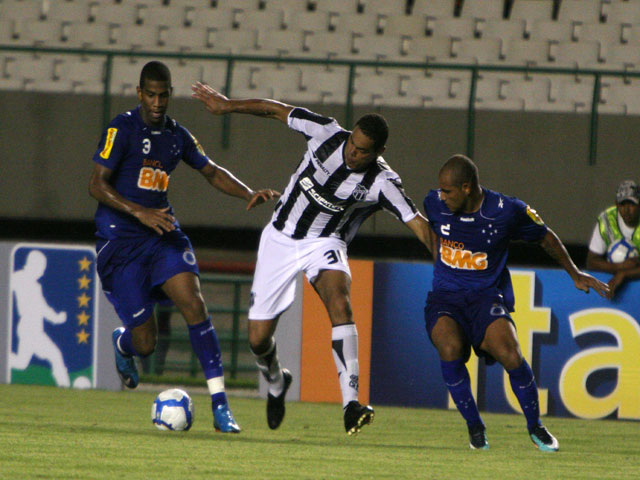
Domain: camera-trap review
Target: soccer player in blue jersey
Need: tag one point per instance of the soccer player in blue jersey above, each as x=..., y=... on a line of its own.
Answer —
x=144, y=258
x=472, y=296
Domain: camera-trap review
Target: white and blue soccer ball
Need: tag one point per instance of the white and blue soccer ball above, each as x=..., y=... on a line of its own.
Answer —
x=621, y=250
x=172, y=410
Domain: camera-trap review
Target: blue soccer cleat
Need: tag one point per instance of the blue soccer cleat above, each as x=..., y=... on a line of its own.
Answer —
x=542, y=439
x=125, y=364
x=223, y=420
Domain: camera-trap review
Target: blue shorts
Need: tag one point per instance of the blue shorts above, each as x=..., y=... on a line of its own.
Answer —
x=473, y=311
x=132, y=270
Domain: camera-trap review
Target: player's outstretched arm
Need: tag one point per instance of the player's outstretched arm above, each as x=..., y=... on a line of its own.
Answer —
x=583, y=281
x=422, y=229
x=159, y=219
x=217, y=104
x=223, y=180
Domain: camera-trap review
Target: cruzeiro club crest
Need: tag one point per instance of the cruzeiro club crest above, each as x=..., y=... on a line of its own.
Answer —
x=52, y=315
x=360, y=192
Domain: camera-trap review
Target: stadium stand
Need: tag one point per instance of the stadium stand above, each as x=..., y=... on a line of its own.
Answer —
x=592, y=34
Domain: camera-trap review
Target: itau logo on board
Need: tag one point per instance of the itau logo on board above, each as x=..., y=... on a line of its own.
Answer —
x=52, y=312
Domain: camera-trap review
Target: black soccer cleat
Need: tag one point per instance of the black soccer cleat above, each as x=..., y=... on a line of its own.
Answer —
x=356, y=416
x=478, y=437
x=275, y=405
x=542, y=439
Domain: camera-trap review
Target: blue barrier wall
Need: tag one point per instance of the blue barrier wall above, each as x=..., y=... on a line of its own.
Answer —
x=583, y=349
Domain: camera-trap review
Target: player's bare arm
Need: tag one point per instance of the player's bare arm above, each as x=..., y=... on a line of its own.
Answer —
x=218, y=104
x=422, y=229
x=223, y=180
x=599, y=263
x=99, y=188
x=583, y=281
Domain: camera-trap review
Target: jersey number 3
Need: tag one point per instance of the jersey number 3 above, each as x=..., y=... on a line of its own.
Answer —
x=334, y=256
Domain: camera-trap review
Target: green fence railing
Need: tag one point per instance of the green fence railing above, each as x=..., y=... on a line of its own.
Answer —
x=233, y=339
x=231, y=60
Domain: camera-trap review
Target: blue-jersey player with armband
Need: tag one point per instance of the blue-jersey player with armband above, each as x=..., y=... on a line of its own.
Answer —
x=472, y=296
x=144, y=258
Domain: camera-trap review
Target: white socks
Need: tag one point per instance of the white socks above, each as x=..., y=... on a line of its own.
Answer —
x=344, y=341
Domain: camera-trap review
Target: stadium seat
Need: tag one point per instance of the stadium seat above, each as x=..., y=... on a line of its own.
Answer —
x=376, y=47
x=218, y=18
x=330, y=84
x=527, y=52
x=37, y=32
x=137, y=37
x=434, y=8
x=410, y=25
x=575, y=54
x=78, y=11
x=620, y=11
x=125, y=75
x=553, y=30
x=505, y=30
x=340, y=6
x=430, y=91
x=483, y=9
x=28, y=67
x=183, y=75
x=586, y=11
x=377, y=88
x=235, y=41
x=617, y=97
x=362, y=23
x=170, y=16
x=293, y=6
x=307, y=21
x=214, y=73
x=281, y=43
x=627, y=56
x=531, y=11
x=118, y=13
x=608, y=34
x=286, y=78
x=17, y=9
x=485, y=51
x=6, y=31
x=330, y=45
x=192, y=39
x=244, y=83
x=246, y=5
x=577, y=91
x=85, y=74
x=534, y=91
x=432, y=49
x=389, y=8
x=452, y=27
x=261, y=20
x=88, y=35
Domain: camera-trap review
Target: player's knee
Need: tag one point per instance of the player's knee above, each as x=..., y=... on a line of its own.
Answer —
x=145, y=345
x=193, y=310
x=509, y=358
x=258, y=342
x=451, y=351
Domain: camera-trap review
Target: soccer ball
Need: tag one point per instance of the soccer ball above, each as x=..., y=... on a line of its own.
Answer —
x=619, y=251
x=172, y=410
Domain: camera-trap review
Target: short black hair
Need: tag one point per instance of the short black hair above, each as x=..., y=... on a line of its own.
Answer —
x=462, y=170
x=156, y=71
x=376, y=128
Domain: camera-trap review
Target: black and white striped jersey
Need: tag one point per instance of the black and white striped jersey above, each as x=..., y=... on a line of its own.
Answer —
x=324, y=198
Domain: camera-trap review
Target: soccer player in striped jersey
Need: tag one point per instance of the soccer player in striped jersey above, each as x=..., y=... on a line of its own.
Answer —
x=341, y=180
x=144, y=258
x=472, y=295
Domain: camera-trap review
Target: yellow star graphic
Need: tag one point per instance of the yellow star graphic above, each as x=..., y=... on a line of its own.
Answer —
x=83, y=282
x=83, y=300
x=84, y=264
x=83, y=318
x=83, y=337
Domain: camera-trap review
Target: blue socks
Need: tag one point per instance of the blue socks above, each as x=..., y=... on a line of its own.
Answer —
x=456, y=378
x=206, y=347
x=524, y=387
x=125, y=344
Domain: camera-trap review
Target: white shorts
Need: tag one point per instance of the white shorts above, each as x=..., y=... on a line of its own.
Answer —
x=280, y=258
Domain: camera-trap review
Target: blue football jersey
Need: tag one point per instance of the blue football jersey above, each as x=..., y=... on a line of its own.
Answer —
x=473, y=248
x=142, y=159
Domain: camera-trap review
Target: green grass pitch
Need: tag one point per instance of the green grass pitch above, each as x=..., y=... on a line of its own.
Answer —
x=52, y=433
